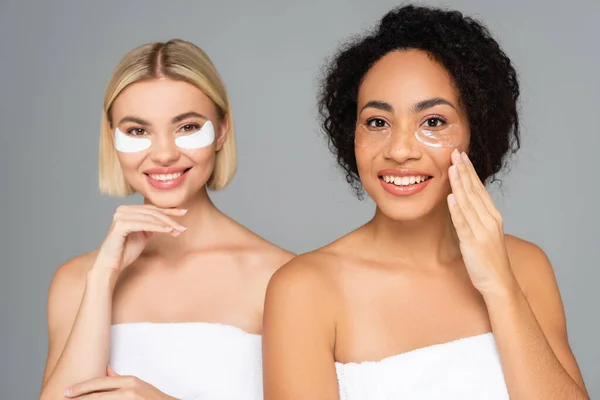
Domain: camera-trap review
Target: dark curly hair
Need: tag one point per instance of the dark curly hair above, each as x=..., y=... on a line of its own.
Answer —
x=486, y=81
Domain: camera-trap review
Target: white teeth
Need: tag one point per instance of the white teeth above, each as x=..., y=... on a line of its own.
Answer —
x=166, y=177
x=404, y=180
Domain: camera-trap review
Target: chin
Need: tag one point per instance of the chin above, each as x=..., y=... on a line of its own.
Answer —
x=165, y=202
x=406, y=208
x=407, y=212
x=166, y=198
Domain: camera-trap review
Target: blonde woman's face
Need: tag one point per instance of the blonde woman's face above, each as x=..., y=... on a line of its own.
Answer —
x=161, y=110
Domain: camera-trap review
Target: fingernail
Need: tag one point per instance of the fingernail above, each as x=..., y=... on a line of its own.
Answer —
x=453, y=171
x=184, y=210
x=452, y=199
x=175, y=233
x=68, y=392
x=465, y=157
x=457, y=156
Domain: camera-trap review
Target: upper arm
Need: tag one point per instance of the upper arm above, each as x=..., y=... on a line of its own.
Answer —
x=64, y=297
x=298, y=336
x=535, y=275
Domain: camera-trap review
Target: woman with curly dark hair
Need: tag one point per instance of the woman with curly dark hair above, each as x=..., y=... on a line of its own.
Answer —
x=429, y=299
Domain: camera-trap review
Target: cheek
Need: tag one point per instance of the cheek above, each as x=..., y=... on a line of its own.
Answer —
x=131, y=161
x=363, y=166
x=364, y=158
x=203, y=158
x=441, y=157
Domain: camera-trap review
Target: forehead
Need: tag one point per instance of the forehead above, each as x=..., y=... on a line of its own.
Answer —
x=406, y=77
x=161, y=98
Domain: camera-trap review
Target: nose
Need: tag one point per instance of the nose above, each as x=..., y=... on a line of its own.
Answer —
x=164, y=151
x=402, y=146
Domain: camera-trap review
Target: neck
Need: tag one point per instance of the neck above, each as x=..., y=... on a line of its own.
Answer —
x=201, y=220
x=430, y=240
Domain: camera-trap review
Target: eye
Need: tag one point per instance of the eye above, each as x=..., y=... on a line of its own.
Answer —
x=188, y=128
x=435, y=122
x=376, y=123
x=136, y=131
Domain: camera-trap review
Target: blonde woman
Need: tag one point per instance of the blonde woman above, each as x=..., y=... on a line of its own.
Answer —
x=170, y=305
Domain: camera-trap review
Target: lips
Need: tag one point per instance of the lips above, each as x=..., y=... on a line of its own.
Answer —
x=166, y=178
x=404, y=182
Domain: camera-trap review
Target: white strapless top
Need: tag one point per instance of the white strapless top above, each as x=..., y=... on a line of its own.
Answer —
x=464, y=369
x=190, y=360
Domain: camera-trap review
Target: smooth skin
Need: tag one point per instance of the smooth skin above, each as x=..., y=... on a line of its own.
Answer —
x=175, y=258
x=427, y=269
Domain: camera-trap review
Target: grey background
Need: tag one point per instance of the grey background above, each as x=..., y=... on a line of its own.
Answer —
x=56, y=57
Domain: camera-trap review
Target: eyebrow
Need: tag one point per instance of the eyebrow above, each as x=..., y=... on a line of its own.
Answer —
x=380, y=105
x=429, y=103
x=420, y=106
x=187, y=115
x=179, y=118
x=135, y=120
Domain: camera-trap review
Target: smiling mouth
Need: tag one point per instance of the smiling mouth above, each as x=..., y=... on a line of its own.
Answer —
x=168, y=177
x=404, y=180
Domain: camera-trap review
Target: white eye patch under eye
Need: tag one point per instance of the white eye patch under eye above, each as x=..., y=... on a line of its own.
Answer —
x=449, y=136
x=130, y=144
x=197, y=140
x=446, y=136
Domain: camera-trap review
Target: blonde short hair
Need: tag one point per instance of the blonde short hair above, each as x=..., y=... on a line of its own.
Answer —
x=178, y=60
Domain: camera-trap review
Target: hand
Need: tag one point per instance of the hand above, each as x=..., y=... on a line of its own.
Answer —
x=479, y=228
x=117, y=387
x=132, y=228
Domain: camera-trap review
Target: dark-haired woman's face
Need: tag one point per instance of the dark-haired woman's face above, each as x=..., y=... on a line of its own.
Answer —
x=409, y=120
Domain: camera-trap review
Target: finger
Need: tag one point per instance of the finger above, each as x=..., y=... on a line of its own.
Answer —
x=110, y=395
x=126, y=226
x=169, y=211
x=94, y=385
x=463, y=202
x=473, y=174
x=110, y=371
x=479, y=186
x=471, y=194
x=160, y=213
x=458, y=219
x=163, y=217
x=150, y=216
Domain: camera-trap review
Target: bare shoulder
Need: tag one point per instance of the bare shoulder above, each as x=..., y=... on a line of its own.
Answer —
x=535, y=275
x=68, y=282
x=271, y=256
x=75, y=270
x=64, y=297
x=299, y=330
x=320, y=269
x=307, y=278
x=256, y=251
x=257, y=259
x=530, y=264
